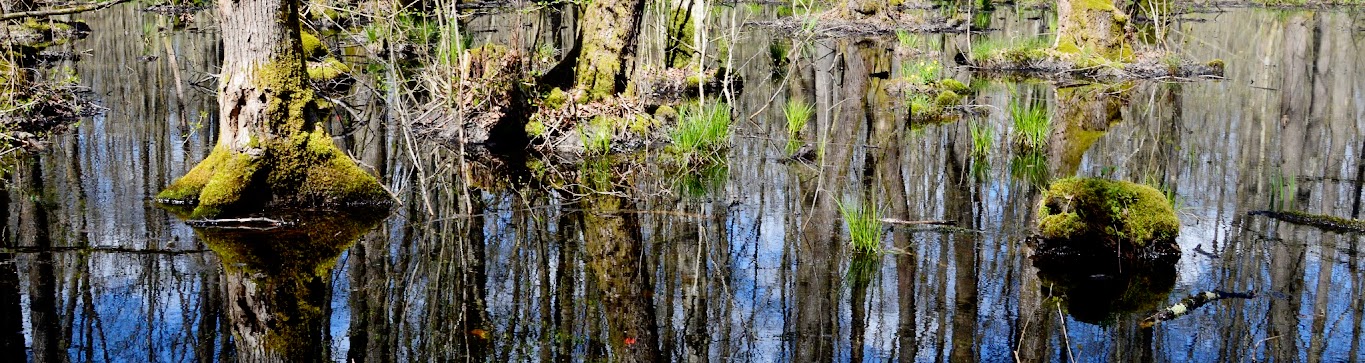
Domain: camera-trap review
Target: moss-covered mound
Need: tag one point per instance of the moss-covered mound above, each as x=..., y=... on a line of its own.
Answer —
x=1119, y=216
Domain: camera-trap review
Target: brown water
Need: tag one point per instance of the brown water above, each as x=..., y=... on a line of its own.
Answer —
x=748, y=261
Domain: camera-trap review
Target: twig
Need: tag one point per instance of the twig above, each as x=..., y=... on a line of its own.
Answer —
x=255, y=223
x=930, y=221
x=62, y=11
x=1065, y=336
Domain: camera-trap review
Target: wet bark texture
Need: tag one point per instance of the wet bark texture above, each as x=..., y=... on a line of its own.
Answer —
x=271, y=147
x=1093, y=29
x=610, y=30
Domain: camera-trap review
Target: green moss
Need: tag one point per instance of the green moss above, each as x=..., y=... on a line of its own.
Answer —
x=681, y=31
x=186, y=189
x=947, y=98
x=1095, y=27
x=326, y=70
x=228, y=185
x=312, y=46
x=1216, y=63
x=642, y=124
x=693, y=81
x=666, y=113
x=605, y=34
x=294, y=164
x=535, y=128
x=557, y=99
x=952, y=85
x=1111, y=211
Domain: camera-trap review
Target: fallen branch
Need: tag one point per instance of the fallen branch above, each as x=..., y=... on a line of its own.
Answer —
x=1322, y=221
x=930, y=222
x=1188, y=304
x=254, y=223
x=62, y=11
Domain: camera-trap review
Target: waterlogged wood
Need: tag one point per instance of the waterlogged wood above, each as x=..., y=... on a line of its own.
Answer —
x=1188, y=304
x=257, y=223
x=1326, y=222
x=938, y=222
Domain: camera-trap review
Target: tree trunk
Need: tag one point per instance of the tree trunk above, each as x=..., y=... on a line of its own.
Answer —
x=609, y=32
x=1093, y=29
x=272, y=148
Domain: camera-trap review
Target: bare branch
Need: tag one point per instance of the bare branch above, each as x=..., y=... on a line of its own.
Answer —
x=62, y=11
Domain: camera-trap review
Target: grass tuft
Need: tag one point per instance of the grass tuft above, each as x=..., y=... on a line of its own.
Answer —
x=597, y=136
x=702, y=130
x=1031, y=124
x=864, y=227
x=798, y=114
x=983, y=136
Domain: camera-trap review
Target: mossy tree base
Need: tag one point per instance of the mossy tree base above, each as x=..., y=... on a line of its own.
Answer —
x=308, y=170
x=1094, y=41
x=272, y=150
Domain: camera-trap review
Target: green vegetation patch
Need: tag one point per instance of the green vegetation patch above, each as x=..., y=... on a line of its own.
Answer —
x=1110, y=211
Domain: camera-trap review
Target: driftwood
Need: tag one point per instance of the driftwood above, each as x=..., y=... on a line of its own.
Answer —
x=253, y=223
x=923, y=222
x=61, y=11
x=1188, y=304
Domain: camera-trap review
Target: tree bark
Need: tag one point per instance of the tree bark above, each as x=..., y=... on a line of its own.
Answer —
x=272, y=148
x=1093, y=29
x=609, y=32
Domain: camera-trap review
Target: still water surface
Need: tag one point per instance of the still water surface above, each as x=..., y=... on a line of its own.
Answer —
x=745, y=261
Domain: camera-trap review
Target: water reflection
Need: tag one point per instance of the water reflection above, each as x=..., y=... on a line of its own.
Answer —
x=278, y=282
x=754, y=264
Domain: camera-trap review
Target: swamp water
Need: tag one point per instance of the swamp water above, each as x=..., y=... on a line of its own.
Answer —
x=747, y=260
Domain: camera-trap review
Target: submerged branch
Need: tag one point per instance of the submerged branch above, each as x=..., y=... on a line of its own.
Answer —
x=61, y=11
x=929, y=222
x=1188, y=304
x=254, y=223
x=1326, y=222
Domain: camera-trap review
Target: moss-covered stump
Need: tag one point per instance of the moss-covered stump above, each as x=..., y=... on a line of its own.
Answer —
x=272, y=150
x=1093, y=28
x=1094, y=41
x=1102, y=217
x=307, y=170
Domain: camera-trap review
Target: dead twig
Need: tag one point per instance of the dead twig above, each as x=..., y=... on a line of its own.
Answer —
x=938, y=222
x=252, y=223
x=61, y=11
